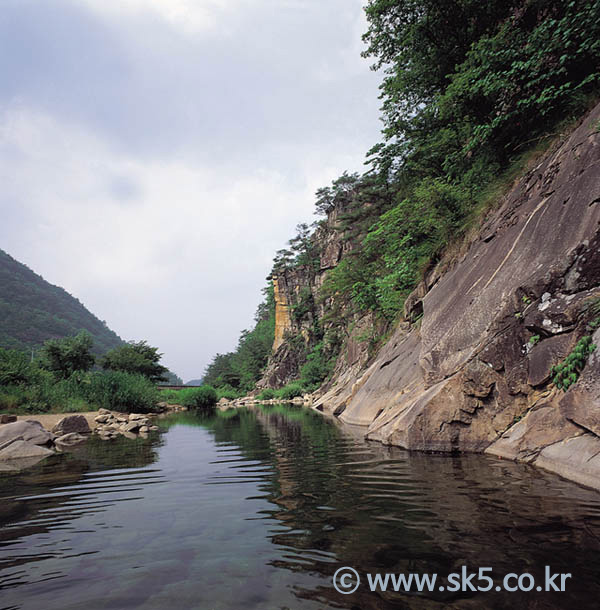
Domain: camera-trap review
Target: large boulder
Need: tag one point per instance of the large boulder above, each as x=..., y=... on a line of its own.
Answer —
x=29, y=430
x=70, y=424
x=19, y=449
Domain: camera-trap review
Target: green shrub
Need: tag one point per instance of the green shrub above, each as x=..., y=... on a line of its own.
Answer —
x=63, y=357
x=204, y=397
x=12, y=398
x=567, y=372
x=119, y=391
x=292, y=390
x=228, y=392
x=15, y=368
x=169, y=396
x=316, y=368
x=266, y=394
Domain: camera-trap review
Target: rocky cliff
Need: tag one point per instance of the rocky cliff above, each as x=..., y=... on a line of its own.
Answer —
x=476, y=373
x=300, y=311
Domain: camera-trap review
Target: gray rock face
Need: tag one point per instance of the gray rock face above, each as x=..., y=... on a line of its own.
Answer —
x=581, y=404
x=29, y=431
x=70, y=424
x=469, y=378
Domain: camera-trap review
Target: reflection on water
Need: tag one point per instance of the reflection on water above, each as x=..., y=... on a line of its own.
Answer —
x=258, y=508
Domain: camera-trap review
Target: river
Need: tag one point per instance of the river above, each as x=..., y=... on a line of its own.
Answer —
x=258, y=508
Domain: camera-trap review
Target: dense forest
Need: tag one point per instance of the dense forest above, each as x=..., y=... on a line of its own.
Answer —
x=33, y=311
x=471, y=90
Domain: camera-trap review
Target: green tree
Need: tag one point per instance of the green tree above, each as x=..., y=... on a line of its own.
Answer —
x=339, y=194
x=136, y=357
x=63, y=357
x=222, y=371
x=15, y=367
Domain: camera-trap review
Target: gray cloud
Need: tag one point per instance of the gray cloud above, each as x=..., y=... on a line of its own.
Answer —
x=155, y=154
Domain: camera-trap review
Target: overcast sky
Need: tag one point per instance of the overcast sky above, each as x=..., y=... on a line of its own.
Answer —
x=154, y=154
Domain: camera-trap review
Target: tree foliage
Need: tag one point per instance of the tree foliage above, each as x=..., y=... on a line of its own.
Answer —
x=302, y=250
x=63, y=357
x=61, y=380
x=136, y=357
x=15, y=367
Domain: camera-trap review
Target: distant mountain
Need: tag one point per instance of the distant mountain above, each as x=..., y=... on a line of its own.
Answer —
x=194, y=382
x=32, y=311
x=173, y=379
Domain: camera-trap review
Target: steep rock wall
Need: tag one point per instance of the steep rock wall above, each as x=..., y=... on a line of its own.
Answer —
x=470, y=378
x=283, y=320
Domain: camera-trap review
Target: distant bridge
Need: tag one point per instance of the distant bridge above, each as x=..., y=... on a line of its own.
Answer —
x=176, y=387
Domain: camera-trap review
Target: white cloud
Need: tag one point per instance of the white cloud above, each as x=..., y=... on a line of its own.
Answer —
x=190, y=15
x=152, y=163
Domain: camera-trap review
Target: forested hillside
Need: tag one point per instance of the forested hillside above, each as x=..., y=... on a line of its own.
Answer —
x=471, y=93
x=32, y=311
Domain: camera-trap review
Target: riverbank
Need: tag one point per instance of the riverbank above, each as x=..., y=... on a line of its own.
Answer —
x=50, y=420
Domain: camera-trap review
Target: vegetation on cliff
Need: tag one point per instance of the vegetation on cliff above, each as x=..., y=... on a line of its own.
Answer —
x=469, y=90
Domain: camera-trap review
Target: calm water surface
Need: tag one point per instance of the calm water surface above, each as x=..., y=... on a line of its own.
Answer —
x=254, y=509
